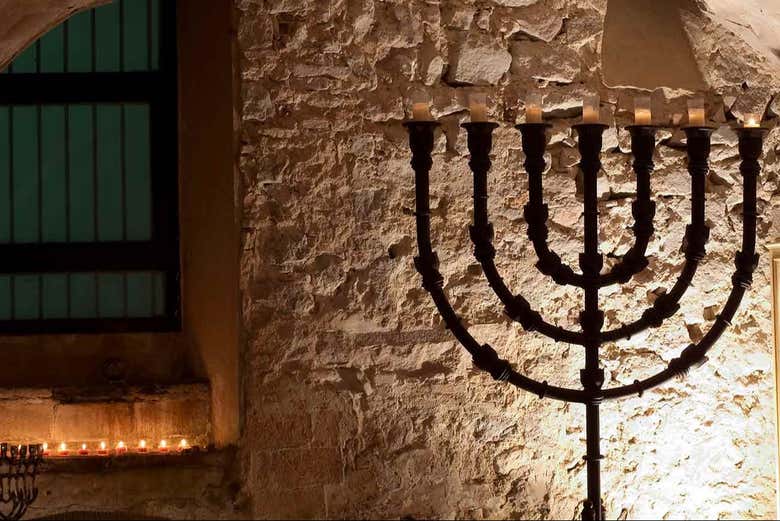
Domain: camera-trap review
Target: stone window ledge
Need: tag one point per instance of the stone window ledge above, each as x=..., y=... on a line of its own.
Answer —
x=118, y=413
x=191, y=486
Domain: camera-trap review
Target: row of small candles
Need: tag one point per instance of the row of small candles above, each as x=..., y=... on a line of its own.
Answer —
x=591, y=112
x=121, y=448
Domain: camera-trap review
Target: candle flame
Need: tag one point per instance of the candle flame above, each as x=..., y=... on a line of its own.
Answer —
x=120, y=445
x=752, y=121
x=102, y=445
x=183, y=444
x=83, y=446
x=163, y=444
x=142, y=444
x=63, y=447
x=45, y=446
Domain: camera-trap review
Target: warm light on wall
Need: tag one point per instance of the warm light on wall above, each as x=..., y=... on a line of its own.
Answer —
x=774, y=249
x=121, y=449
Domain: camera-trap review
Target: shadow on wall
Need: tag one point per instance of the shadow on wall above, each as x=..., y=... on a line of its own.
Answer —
x=645, y=46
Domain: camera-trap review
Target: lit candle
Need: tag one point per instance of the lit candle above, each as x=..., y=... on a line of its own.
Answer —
x=63, y=450
x=103, y=450
x=478, y=108
x=591, y=112
x=421, y=111
x=643, y=114
x=421, y=105
x=533, y=108
x=163, y=448
x=142, y=446
x=46, y=451
x=696, y=114
x=752, y=121
x=183, y=445
x=83, y=450
x=121, y=448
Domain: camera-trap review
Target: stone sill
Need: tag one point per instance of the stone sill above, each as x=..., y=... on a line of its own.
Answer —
x=119, y=413
x=191, y=486
x=100, y=464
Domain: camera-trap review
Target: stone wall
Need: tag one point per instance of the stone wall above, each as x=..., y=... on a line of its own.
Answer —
x=358, y=403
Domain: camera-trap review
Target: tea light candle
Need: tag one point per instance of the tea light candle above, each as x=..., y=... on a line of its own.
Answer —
x=83, y=451
x=45, y=448
x=643, y=114
x=696, y=114
x=63, y=450
x=121, y=448
x=142, y=447
x=183, y=445
x=163, y=448
x=752, y=121
x=591, y=111
x=478, y=108
x=103, y=450
x=533, y=108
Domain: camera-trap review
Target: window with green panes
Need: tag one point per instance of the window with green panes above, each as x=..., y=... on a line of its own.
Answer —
x=88, y=175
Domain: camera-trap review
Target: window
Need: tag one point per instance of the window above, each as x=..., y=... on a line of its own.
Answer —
x=89, y=238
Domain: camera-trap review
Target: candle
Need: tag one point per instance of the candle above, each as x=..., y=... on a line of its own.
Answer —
x=142, y=447
x=696, y=114
x=591, y=112
x=46, y=451
x=63, y=450
x=83, y=450
x=752, y=121
x=183, y=445
x=421, y=111
x=163, y=448
x=478, y=108
x=121, y=448
x=643, y=114
x=533, y=108
x=103, y=450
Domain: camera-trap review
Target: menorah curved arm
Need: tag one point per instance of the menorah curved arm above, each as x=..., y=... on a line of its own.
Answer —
x=746, y=261
x=536, y=212
x=421, y=135
x=696, y=237
x=480, y=142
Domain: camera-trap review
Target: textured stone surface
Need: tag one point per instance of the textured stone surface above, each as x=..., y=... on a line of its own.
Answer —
x=347, y=362
x=130, y=414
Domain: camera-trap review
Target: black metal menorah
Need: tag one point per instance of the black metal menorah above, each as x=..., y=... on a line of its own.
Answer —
x=592, y=335
x=18, y=473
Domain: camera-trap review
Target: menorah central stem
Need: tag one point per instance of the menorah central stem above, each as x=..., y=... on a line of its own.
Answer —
x=591, y=318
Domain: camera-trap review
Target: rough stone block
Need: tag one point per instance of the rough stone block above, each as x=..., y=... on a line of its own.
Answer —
x=297, y=468
x=26, y=421
x=93, y=422
x=173, y=418
x=478, y=61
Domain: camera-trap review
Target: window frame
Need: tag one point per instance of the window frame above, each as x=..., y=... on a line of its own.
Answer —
x=159, y=89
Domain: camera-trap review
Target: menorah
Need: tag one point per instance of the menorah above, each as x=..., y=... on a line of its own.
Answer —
x=18, y=472
x=591, y=262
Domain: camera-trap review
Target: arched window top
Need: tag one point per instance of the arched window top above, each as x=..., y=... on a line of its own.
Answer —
x=123, y=36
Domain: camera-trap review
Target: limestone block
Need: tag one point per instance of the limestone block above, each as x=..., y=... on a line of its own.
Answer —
x=478, y=61
x=543, y=61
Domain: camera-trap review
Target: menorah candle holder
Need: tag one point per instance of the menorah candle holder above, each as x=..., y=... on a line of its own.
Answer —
x=590, y=278
x=18, y=473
